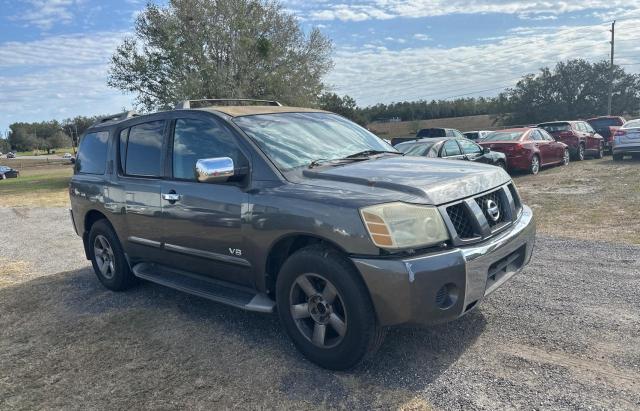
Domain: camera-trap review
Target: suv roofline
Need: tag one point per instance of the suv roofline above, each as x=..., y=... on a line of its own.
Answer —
x=186, y=104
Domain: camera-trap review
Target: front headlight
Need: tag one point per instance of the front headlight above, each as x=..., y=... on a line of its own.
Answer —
x=402, y=225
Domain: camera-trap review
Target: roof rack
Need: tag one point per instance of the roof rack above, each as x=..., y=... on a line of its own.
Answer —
x=207, y=102
x=117, y=117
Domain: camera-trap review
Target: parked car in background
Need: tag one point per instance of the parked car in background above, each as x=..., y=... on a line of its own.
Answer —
x=527, y=148
x=581, y=138
x=606, y=126
x=454, y=149
x=626, y=140
x=8, y=172
x=403, y=139
x=11, y=155
x=67, y=156
x=476, y=135
x=439, y=132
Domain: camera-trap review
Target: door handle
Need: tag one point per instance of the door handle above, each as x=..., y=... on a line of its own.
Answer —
x=171, y=196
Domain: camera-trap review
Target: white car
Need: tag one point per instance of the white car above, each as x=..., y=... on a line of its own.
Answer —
x=626, y=140
x=476, y=135
x=67, y=156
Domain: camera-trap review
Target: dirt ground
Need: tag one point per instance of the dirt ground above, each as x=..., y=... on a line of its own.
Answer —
x=563, y=334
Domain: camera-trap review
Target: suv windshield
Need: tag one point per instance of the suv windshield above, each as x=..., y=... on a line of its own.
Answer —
x=293, y=140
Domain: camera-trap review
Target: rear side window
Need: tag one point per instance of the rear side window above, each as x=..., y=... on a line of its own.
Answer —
x=92, y=153
x=469, y=147
x=143, y=155
x=451, y=148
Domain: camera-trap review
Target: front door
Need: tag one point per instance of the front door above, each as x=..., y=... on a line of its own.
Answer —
x=203, y=221
x=472, y=151
x=451, y=150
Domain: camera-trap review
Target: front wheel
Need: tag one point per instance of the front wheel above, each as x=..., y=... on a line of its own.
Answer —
x=618, y=157
x=566, y=157
x=325, y=308
x=502, y=165
x=600, y=153
x=534, y=167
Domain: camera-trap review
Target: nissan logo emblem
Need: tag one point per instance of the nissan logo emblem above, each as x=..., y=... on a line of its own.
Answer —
x=492, y=210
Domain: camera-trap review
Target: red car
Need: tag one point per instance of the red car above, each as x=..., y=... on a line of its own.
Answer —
x=607, y=126
x=527, y=148
x=581, y=138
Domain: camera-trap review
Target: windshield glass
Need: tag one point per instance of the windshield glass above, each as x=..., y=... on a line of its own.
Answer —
x=294, y=140
x=416, y=149
x=605, y=122
x=431, y=132
x=504, y=136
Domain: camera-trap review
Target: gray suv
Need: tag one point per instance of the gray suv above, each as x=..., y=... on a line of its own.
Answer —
x=300, y=211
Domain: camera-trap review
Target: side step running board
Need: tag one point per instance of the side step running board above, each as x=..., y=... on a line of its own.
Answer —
x=205, y=287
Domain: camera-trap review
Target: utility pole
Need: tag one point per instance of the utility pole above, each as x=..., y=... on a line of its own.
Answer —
x=613, y=43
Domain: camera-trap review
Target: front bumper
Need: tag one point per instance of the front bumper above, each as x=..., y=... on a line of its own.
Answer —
x=441, y=287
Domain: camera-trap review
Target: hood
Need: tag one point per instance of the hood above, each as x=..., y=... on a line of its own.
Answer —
x=430, y=181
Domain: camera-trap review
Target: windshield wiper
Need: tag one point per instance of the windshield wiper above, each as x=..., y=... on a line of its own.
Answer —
x=369, y=153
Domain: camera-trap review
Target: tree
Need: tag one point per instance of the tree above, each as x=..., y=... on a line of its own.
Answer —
x=5, y=147
x=194, y=49
x=573, y=89
x=345, y=106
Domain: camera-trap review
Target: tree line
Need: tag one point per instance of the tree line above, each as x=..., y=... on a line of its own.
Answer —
x=45, y=135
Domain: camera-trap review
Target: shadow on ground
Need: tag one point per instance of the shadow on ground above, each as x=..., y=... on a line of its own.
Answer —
x=66, y=342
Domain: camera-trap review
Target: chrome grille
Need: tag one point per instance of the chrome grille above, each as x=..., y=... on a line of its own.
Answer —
x=459, y=216
x=470, y=221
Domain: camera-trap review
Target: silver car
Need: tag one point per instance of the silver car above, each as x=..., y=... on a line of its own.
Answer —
x=627, y=140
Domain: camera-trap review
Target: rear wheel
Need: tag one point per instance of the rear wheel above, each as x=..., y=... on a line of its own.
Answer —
x=566, y=157
x=618, y=157
x=326, y=309
x=108, y=259
x=534, y=167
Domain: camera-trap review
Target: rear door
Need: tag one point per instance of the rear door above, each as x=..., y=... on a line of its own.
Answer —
x=544, y=147
x=203, y=226
x=592, y=139
x=141, y=152
x=451, y=150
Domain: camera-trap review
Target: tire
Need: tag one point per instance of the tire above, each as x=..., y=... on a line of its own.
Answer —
x=335, y=333
x=566, y=157
x=600, y=153
x=534, y=167
x=502, y=165
x=580, y=152
x=108, y=259
x=618, y=157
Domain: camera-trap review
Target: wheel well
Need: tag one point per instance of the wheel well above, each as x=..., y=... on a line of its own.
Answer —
x=91, y=217
x=284, y=248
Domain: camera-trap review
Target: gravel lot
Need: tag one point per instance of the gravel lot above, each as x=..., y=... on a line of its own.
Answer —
x=564, y=334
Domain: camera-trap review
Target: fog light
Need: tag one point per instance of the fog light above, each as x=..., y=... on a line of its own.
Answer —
x=447, y=296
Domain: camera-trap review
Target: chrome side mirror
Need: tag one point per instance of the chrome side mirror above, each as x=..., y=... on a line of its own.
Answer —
x=214, y=170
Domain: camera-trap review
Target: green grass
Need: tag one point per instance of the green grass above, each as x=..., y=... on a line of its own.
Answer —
x=59, y=151
x=37, y=187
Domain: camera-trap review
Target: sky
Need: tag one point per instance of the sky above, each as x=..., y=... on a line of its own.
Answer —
x=54, y=54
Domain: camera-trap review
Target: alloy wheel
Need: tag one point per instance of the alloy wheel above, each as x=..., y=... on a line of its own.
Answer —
x=104, y=256
x=565, y=157
x=580, y=152
x=318, y=310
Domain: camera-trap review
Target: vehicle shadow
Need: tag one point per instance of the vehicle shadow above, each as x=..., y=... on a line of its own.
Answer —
x=156, y=346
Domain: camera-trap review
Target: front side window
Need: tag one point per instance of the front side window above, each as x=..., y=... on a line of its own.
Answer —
x=200, y=139
x=469, y=147
x=293, y=140
x=92, y=153
x=144, y=149
x=451, y=148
